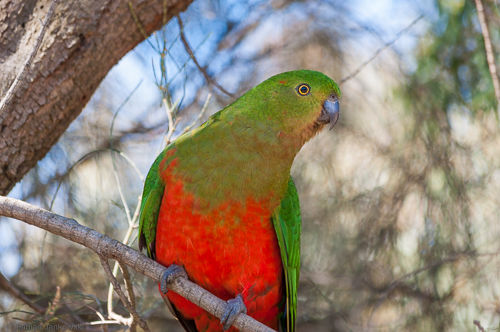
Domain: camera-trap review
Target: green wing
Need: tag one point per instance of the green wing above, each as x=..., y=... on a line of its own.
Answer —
x=287, y=223
x=150, y=207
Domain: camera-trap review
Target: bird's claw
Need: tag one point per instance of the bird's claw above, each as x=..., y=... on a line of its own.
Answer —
x=234, y=308
x=171, y=273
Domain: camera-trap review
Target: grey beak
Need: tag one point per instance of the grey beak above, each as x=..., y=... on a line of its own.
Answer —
x=330, y=112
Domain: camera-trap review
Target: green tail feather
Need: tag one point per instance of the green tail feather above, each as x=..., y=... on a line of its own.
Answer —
x=287, y=223
x=150, y=207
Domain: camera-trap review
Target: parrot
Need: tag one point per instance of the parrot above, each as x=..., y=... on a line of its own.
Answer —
x=220, y=207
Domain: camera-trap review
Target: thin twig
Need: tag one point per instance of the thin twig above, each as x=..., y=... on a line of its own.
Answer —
x=5, y=102
x=173, y=127
x=120, y=192
x=131, y=163
x=209, y=79
x=172, y=124
x=131, y=219
x=203, y=109
x=479, y=326
x=84, y=158
x=131, y=226
x=119, y=109
x=6, y=285
x=111, y=249
x=377, y=52
x=102, y=321
x=139, y=24
x=111, y=314
x=123, y=297
x=392, y=286
x=170, y=116
x=128, y=284
x=130, y=290
x=490, y=57
x=51, y=309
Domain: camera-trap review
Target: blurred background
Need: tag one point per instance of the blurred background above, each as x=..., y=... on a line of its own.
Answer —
x=400, y=202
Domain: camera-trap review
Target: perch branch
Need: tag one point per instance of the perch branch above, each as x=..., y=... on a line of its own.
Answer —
x=109, y=248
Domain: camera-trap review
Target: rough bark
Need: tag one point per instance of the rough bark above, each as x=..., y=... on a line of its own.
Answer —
x=83, y=40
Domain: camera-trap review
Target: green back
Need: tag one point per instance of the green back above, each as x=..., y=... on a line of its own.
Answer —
x=287, y=223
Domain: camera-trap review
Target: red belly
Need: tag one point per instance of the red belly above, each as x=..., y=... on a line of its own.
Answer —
x=230, y=250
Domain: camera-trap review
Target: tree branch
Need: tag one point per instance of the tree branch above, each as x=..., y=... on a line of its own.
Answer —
x=209, y=79
x=6, y=100
x=6, y=285
x=479, y=326
x=126, y=302
x=112, y=249
x=490, y=57
x=378, y=51
x=81, y=42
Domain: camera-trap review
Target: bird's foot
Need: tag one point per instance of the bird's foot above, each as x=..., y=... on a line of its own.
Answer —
x=171, y=273
x=234, y=308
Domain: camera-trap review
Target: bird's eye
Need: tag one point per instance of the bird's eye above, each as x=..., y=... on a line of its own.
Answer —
x=303, y=89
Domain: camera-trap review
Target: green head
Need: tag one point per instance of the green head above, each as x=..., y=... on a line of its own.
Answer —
x=296, y=103
x=248, y=147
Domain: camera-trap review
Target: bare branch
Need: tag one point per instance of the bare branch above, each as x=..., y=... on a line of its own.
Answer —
x=112, y=249
x=128, y=284
x=209, y=79
x=138, y=23
x=6, y=285
x=479, y=326
x=377, y=52
x=203, y=109
x=172, y=121
x=51, y=309
x=490, y=57
x=102, y=321
x=6, y=100
x=130, y=307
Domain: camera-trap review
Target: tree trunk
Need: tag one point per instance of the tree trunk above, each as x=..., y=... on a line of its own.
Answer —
x=83, y=40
